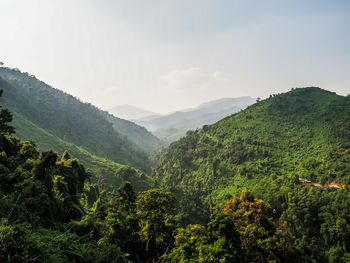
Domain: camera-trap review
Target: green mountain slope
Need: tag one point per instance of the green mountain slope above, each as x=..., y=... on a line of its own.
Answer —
x=102, y=169
x=303, y=133
x=292, y=150
x=69, y=119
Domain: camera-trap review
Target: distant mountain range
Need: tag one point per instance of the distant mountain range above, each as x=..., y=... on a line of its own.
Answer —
x=130, y=112
x=173, y=126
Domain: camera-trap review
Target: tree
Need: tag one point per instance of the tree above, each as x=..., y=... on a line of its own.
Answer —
x=121, y=225
x=219, y=242
x=5, y=118
x=252, y=218
x=155, y=208
x=188, y=244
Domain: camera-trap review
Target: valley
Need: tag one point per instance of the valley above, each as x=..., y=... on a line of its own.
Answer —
x=174, y=131
x=284, y=160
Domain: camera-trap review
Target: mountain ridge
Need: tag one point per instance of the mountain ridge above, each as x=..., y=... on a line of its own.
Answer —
x=276, y=133
x=80, y=123
x=172, y=126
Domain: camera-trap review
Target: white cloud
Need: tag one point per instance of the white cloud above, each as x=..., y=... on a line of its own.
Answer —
x=193, y=80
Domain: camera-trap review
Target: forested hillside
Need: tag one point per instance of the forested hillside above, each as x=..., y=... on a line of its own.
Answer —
x=103, y=170
x=51, y=212
x=78, y=123
x=291, y=149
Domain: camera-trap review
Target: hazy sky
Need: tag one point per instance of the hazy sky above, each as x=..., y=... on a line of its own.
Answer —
x=167, y=55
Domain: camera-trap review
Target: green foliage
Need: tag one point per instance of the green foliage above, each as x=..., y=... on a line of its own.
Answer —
x=43, y=192
x=121, y=224
x=187, y=241
x=253, y=219
x=5, y=118
x=103, y=170
x=242, y=233
x=155, y=208
x=20, y=243
x=319, y=221
x=196, y=243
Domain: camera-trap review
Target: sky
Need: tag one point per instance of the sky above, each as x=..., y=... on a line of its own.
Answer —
x=165, y=55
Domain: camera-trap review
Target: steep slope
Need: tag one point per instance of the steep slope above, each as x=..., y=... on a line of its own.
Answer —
x=111, y=173
x=130, y=112
x=68, y=118
x=304, y=133
x=173, y=126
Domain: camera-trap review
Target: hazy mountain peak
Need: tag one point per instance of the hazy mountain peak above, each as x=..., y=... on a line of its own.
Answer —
x=130, y=112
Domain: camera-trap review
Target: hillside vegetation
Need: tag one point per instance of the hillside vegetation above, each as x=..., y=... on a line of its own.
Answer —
x=78, y=123
x=112, y=174
x=267, y=148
